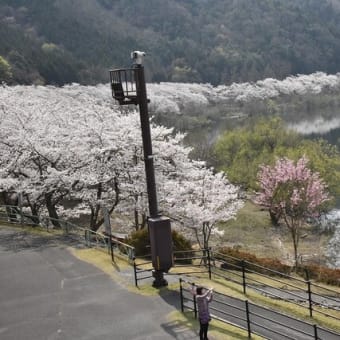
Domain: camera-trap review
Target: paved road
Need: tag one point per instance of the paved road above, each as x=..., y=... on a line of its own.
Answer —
x=47, y=294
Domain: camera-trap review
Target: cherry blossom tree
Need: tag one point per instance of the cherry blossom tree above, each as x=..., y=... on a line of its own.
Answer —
x=33, y=155
x=72, y=143
x=168, y=150
x=177, y=98
x=55, y=145
x=199, y=199
x=293, y=192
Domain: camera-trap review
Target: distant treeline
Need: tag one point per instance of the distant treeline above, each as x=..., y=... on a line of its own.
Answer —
x=217, y=42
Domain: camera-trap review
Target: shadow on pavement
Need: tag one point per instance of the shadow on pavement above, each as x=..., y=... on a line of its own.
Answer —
x=179, y=330
x=171, y=297
x=16, y=240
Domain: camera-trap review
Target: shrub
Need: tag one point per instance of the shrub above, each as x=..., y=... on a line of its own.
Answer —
x=273, y=265
x=140, y=241
x=182, y=248
x=233, y=260
x=268, y=266
x=320, y=274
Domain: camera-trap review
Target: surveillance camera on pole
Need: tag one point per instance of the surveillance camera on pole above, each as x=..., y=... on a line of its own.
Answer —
x=137, y=57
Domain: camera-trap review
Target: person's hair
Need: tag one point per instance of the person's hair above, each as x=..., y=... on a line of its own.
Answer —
x=199, y=290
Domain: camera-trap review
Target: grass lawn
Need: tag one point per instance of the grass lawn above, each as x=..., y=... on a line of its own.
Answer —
x=218, y=329
x=252, y=232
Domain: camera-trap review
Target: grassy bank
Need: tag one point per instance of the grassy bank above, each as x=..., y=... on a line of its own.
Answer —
x=253, y=232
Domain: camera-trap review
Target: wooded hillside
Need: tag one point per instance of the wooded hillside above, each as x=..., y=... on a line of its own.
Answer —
x=219, y=41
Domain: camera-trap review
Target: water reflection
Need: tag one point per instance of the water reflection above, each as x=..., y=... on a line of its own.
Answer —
x=320, y=128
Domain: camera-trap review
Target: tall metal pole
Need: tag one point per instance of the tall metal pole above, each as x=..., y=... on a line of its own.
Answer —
x=146, y=136
x=159, y=226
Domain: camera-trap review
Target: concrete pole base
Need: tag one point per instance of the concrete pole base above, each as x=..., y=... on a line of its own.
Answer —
x=159, y=279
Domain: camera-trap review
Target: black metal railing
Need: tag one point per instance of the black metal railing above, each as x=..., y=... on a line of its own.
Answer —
x=254, y=319
x=186, y=262
x=14, y=215
x=305, y=293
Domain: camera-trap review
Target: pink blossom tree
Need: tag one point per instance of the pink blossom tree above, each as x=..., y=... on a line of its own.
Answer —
x=292, y=192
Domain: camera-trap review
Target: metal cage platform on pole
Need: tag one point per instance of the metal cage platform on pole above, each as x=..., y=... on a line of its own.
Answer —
x=123, y=85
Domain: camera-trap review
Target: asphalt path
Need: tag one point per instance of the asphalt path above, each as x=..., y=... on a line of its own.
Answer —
x=46, y=294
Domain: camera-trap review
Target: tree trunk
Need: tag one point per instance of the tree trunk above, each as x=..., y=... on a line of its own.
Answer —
x=95, y=221
x=294, y=225
x=144, y=221
x=94, y=217
x=35, y=214
x=52, y=212
x=136, y=219
x=274, y=217
x=205, y=243
x=34, y=211
x=295, y=237
x=295, y=252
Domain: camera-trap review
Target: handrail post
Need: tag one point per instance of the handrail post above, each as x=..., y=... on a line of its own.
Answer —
x=112, y=254
x=248, y=319
x=20, y=209
x=195, y=305
x=66, y=231
x=181, y=294
x=315, y=332
x=88, y=238
x=135, y=272
x=62, y=226
x=244, y=277
x=107, y=240
x=310, y=301
x=209, y=263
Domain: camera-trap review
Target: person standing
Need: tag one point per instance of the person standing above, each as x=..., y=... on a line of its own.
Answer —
x=203, y=298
